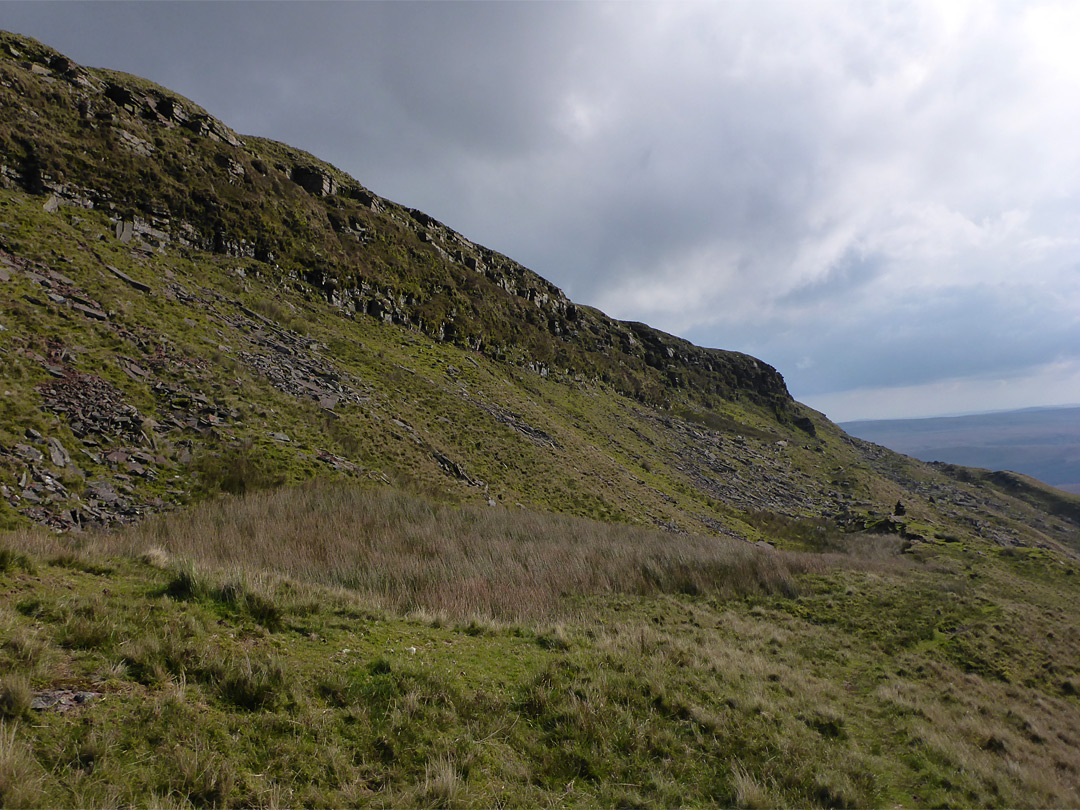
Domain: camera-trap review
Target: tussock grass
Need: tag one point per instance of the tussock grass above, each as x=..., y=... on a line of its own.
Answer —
x=21, y=649
x=442, y=785
x=15, y=697
x=749, y=793
x=11, y=559
x=20, y=774
x=242, y=593
x=202, y=779
x=406, y=554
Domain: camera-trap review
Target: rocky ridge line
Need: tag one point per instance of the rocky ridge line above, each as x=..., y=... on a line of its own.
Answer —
x=132, y=110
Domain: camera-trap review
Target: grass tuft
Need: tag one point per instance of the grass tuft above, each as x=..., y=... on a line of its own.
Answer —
x=20, y=775
x=750, y=794
x=237, y=593
x=201, y=777
x=156, y=558
x=11, y=560
x=442, y=786
x=189, y=583
x=15, y=697
x=262, y=684
x=256, y=603
x=22, y=648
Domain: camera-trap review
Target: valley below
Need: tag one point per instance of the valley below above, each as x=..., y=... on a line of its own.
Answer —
x=1041, y=442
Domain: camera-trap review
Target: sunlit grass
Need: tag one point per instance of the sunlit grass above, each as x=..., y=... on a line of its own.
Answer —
x=235, y=672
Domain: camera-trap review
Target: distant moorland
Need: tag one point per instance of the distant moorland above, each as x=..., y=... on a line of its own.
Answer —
x=1041, y=442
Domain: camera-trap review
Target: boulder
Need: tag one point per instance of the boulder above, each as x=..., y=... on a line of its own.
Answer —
x=170, y=110
x=138, y=285
x=121, y=96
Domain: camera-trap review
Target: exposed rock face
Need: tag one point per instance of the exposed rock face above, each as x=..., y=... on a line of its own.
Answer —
x=314, y=180
x=464, y=290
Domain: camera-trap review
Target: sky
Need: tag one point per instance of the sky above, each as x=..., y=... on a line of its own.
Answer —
x=882, y=200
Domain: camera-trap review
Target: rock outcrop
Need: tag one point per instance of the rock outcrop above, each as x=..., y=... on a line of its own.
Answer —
x=214, y=191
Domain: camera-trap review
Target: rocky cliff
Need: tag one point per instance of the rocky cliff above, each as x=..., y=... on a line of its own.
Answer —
x=169, y=174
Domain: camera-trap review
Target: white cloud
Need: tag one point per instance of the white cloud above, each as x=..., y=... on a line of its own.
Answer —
x=1050, y=384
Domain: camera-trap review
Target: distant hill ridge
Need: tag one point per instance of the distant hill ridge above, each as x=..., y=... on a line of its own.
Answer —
x=1041, y=442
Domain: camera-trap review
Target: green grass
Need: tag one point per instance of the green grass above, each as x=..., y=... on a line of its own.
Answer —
x=413, y=269
x=452, y=399
x=870, y=680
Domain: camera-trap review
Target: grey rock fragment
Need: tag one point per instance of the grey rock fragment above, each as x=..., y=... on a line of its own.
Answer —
x=61, y=700
x=29, y=453
x=89, y=312
x=138, y=285
x=103, y=491
x=58, y=454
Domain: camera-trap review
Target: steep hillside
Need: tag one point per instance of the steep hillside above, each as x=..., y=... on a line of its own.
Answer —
x=169, y=175
x=188, y=310
x=295, y=474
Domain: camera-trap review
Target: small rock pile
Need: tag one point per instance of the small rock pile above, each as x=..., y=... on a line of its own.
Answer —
x=189, y=410
x=293, y=363
x=40, y=495
x=92, y=406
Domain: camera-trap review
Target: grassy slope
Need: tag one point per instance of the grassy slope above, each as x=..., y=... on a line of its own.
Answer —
x=101, y=138
x=565, y=445
x=446, y=393
x=866, y=678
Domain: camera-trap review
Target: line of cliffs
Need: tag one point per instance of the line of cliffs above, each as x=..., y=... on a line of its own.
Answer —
x=170, y=174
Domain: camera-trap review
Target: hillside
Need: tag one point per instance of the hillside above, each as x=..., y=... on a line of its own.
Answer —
x=288, y=469
x=1041, y=442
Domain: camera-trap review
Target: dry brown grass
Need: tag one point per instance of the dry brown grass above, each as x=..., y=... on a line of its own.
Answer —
x=407, y=554
x=20, y=774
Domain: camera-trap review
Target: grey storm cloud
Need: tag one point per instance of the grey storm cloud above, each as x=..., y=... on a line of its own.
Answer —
x=872, y=197
x=922, y=340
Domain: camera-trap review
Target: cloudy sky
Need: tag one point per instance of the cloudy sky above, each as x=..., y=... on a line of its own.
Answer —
x=880, y=199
